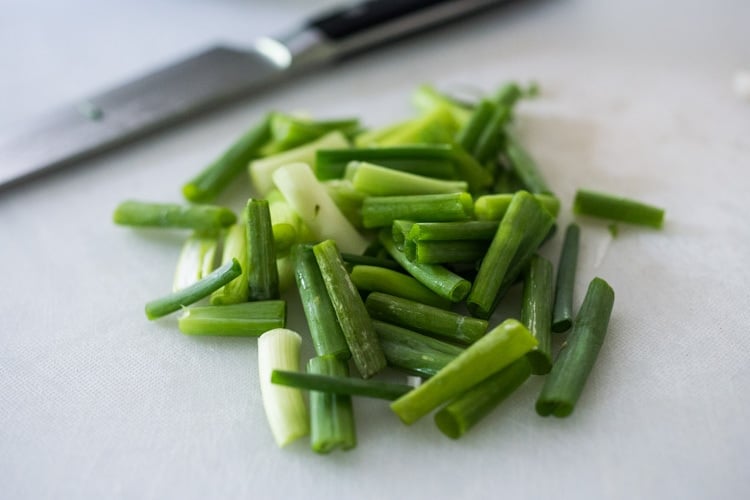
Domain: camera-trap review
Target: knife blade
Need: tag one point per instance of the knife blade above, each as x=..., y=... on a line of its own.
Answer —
x=211, y=78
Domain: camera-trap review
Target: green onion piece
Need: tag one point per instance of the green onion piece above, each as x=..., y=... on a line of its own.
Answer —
x=470, y=407
x=366, y=260
x=435, y=127
x=321, y=318
x=525, y=167
x=289, y=131
x=278, y=349
x=263, y=276
x=490, y=139
x=536, y=311
x=209, y=183
x=400, y=228
x=350, y=310
x=262, y=170
x=235, y=247
x=197, y=259
x=448, y=252
x=431, y=160
x=331, y=415
x=375, y=180
x=562, y=315
x=612, y=207
x=508, y=94
x=250, y=319
x=347, y=199
x=285, y=269
x=380, y=279
x=506, y=181
x=429, y=320
x=286, y=222
x=521, y=231
x=453, y=231
x=197, y=217
x=380, y=211
x=426, y=98
x=565, y=382
x=372, y=138
x=193, y=293
x=469, y=134
x=412, y=351
x=501, y=346
x=494, y=206
x=340, y=385
x=437, y=278
x=310, y=199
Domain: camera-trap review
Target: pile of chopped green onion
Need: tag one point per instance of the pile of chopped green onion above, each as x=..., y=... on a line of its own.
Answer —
x=401, y=242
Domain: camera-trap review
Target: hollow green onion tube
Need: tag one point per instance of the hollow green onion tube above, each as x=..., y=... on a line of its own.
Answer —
x=375, y=180
x=429, y=320
x=367, y=260
x=235, y=247
x=331, y=415
x=525, y=167
x=469, y=408
x=193, y=293
x=434, y=127
x=437, y=278
x=197, y=217
x=469, y=134
x=197, y=259
x=210, y=182
x=612, y=207
x=565, y=382
x=426, y=98
x=380, y=279
x=493, y=206
x=380, y=211
x=400, y=228
x=285, y=222
x=447, y=252
x=340, y=385
x=263, y=276
x=489, y=140
x=453, y=231
x=504, y=344
x=432, y=160
x=289, y=131
x=536, y=311
x=412, y=351
x=321, y=317
x=350, y=310
x=278, y=349
x=562, y=315
x=523, y=227
x=250, y=319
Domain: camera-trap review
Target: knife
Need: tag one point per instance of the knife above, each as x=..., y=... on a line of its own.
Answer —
x=211, y=78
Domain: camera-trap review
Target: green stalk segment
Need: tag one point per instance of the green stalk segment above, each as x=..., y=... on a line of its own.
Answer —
x=263, y=276
x=536, y=311
x=380, y=211
x=193, y=293
x=562, y=315
x=289, y=131
x=453, y=231
x=331, y=415
x=375, y=180
x=470, y=407
x=428, y=160
x=197, y=259
x=494, y=206
x=367, y=260
x=379, y=279
x=489, y=140
x=447, y=252
x=321, y=317
x=340, y=385
x=250, y=319
x=499, y=348
x=429, y=320
x=469, y=134
x=525, y=167
x=235, y=247
x=573, y=365
x=400, y=229
x=434, y=127
x=285, y=222
x=197, y=217
x=412, y=351
x=347, y=199
x=523, y=228
x=208, y=184
x=427, y=98
x=437, y=278
x=612, y=207
x=350, y=310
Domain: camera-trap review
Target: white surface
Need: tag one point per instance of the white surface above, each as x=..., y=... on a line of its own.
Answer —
x=97, y=402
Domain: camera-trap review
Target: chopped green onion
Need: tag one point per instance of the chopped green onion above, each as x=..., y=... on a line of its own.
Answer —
x=565, y=382
x=347, y=199
x=433, y=160
x=375, y=180
x=427, y=98
x=446, y=252
x=263, y=275
x=197, y=217
x=412, y=351
x=235, y=247
x=429, y=320
x=340, y=385
x=469, y=134
x=350, y=310
x=434, y=127
x=321, y=318
x=453, y=231
x=380, y=279
x=278, y=349
x=500, y=347
x=536, y=311
x=494, y=206
x=366, y=260
x=489, y=140
x=470, y=407
x=290, y=131
x=612, y=207
x=400, y=228
x=562, y=315
x=286, y=222
x=250, y=319
x=380, y=211
x=209, y=183
x=193, y=293
x=331, y=415
x=197, y=259
x=525, y=168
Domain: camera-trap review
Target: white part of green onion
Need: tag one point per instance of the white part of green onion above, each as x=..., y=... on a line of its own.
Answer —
x=310, y=199
x=197, y=259
x=261, y=171
x=279, y=349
